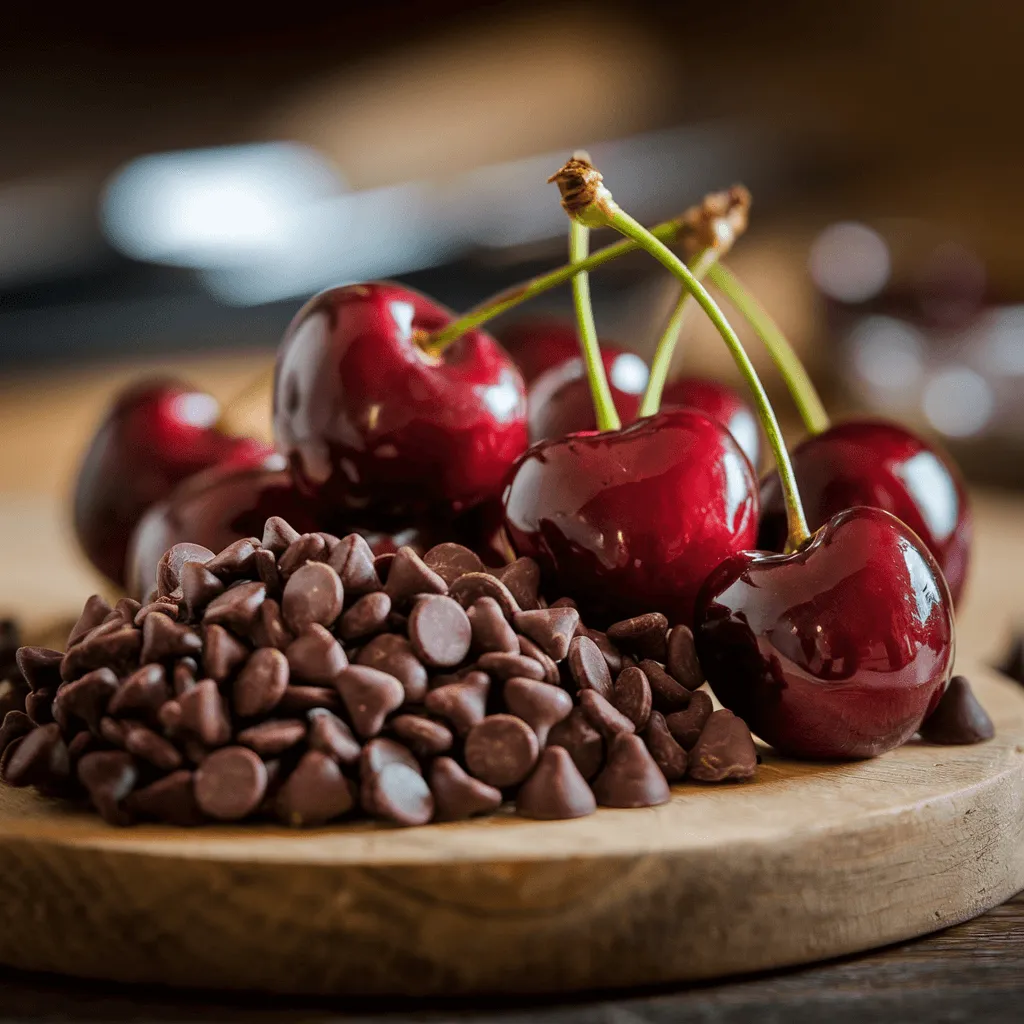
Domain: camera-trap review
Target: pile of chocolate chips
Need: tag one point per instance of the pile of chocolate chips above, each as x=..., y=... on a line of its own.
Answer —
x=297, y=677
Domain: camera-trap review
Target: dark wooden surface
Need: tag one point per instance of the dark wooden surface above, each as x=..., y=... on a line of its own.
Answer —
x=974, y=972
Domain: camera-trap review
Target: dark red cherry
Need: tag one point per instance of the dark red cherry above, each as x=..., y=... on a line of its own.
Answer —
x=838, y=651
x=538, y=343
x=368, y=420
x=633, y=520
x=156, y=434
x=721, y=403
x=884, y=465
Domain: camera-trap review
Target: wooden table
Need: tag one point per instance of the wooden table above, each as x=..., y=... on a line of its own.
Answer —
x=971, y=972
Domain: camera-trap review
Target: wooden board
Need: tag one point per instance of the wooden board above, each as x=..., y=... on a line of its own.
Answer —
x=811, y=861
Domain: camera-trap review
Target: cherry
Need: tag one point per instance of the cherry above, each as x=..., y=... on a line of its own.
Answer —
x=633, y=520
x=881, y=464
x=368, y=419
x=539, y=343
x=840, y=650
x=721, y=403
x=156, y=434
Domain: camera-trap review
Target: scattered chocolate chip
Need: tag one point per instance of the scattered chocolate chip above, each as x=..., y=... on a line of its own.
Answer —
x=550, y=628
x=261, y=683
x=230, y=783
x=583, y=742
x=352, y=560
x=163, y=606
x=15, y=725
x=394, y=655
x=314, y=793
x=540, y=705
x=268, y=628
x=603, y=715
x=266, y=570
x=505, y=666
x=309, y=547
x=223, y=653
x=40, y=667
x=462, y=703
x=400, y=794
x=631, y=694
x=423, y=736
x=457, y=795
x=116, y=649
x=409, y=575
x=316, y=656
x=379, y=753
x=367, y=616
x=643, y=635
x=299, y=700
x=522, y=578
x=668, y=755
x=147, y=745
x=277, y=535
x=235, y=561
x=450, y=561
x=39, y=758
x=612, y=655
x=274, y=736
x=470, y=588
x=237, y=607
x=94, y=612
x=681, y=658
x=170, y=799
x=958, y=718
x=631, y=778
x=439, y=632
x=491, y=630
x=168, y=569
x=203, y=714
x=370, y=696
x=555, y=790
x=723, y=751
x=588, y=667
x=108, y=776
x=528, y=649
x=86, y=698
x=501, y=750
x=686, y=726
x=163, y=638
x=667, y=694
x=313, y=594
x=331, y=736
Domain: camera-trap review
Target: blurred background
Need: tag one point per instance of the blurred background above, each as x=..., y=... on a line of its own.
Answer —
x=173, y=194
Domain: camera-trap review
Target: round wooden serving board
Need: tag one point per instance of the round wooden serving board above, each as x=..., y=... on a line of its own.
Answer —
x=810, y=861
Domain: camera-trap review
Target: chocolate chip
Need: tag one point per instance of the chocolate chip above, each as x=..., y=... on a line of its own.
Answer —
x=300, y=700
x=583, y=742
x=203, y=714
x=439, y=632
x=382, y=566
x=501, y=750
x=235, y=561
x=222, y=652
x=164, y=638
x=330, y=735
x=309, y=547
x=315, y=793
x=230, y=783
x=667, y=694
x=686, y=725
x=261, y=683
x=38, y=706
x=522, y=578
x=113, y=731
x=352, y=559
x=450, y=561
x=603, y=716
x=108, y=776
x=237, y=607
x=457, y=795
x=491, y=630
x=540, y=705
x=94, y=612
x=40, y=667
x=146, y=744
x=470, y=588
x=631, y=695
x=128, y=608
x=82, y=744
x=168, y=569
x=668, y=755
x=316, y=656
x=550, y=628
x=278, y=534
x=379, y=753
x=423, y=736
x=266, y=570
x=643, y=635
x=184, y=675
x=274, y=736
x=398, y=793
x=39, y=758
x=681, y=658
x=313, y=594
x=1013, y=664
x=631, y=778
x=116, y=649
x=86, y=699
x=394, y=655
x=504, y=666
x=15, y=725
x=367, y=616
x=462, y=703
x=529, y=649
x=588, y=667
x=268, y=628
x=612, y=655
x=163, y=606
x=958, y=718
x=409, y=575
x=555, y=790
x=370, y=696
x=724, y=750
x=170, y=800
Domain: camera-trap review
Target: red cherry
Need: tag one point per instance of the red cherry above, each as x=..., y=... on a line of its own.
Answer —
x=872, y=462
x=368, y=420
x=722, y=404
x=538, y=343
x=838, y=651
x=633, y=520
x=156, y=434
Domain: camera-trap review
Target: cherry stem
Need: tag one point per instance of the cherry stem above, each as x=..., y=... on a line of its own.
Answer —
x=600, y=393
x=662, y=361
x=791, y=369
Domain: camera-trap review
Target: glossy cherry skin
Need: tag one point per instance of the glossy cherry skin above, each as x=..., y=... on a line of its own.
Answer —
x=838, y=651
x=633, y=520
x=884, y=465
x=538, y=343
x=368, y=421
x=156, y=434
x=721, y=403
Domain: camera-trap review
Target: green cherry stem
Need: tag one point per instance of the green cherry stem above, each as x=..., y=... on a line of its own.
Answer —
x=585, y=198
x=791, y=369
x=600, y=393
x=662, y=361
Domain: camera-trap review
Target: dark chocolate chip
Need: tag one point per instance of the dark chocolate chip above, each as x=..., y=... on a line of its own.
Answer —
x=299, y=700
x=398, y=793
x=504, y=666
x=117, y=649
x=450, y=561
x=631, y=778
x=550, y=628
x=203, y=714
x=470, y=588
x=83, y=743
x=223, y=653
x=314, y=793
x=87, y=698
x=235, y=561
x=564, y=602
x=522, y=578
x=681, y=658
x=491, y=630
x=330, y=735
x=462, y=703
x=584, y=743
x=39, y=758
x=540, y=705
x=230, y=783
x=313, y=594
x=686, y=725
x=94, y=612
x=147, y=745
x=170, y=800
x=108, y=776
x=382, y=565
x=394, y=655
x=309, y=547
x=631, y=695
x=128, y=608
x=667, y=694
x=958, y=718
x=379, y=753
x=237, y=607
x=370, y=696
x=457, y=795
x=113, y=731
x=367, y=616
x=261, y=683
x=555, y=790
x=163, y=638
x=724, y=750
x=529, y=649
x=589, y=667
x=278, y=534
x=40, y=667
x=352, y=560
x=38, y=706
x=423, y=736
x=266, y=570
x=603, y=715
x=268, y=628
x=612, y=655
x=273, y=736
x=409, y=575
x=501, y=750
x=668, y=755
x=643, y=635
x=184, y=676
x=316, y=656
x=163, y=606
x=439, y=632
x=15, y=725
x=168, y=569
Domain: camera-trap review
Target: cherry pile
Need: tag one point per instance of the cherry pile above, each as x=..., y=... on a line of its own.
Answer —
x=820, y=599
